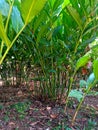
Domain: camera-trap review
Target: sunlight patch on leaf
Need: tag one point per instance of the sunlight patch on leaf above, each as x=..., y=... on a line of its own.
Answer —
x=4, y=7
x=33, y=7
x=90, y=79
x=17, y=22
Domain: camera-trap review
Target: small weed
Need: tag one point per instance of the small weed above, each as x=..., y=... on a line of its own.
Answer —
x=61, y=127
x=6, y=118
x=16, y=128
x=49, y=123
x=1, y=106
x=21, y=108
x=91, y=125
x=70, y=103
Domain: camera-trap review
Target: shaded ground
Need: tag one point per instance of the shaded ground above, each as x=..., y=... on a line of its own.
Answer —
x=18, y=111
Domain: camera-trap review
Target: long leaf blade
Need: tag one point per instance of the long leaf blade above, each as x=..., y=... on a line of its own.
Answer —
x=31, y=8
x=82, y=61
x=4, y=7
x=16, y=19
x=2, y=33
x=73, y=12
x=95, y=68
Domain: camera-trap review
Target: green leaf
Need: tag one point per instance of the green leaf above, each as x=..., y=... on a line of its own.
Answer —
x=57, y=3
x=41, y=18
x=83, y=83
x=16, y=19
x=1, y=106
x=65, y=3
x=52, y=71
x=42, y=31
x=17, y=3
x=95, y=68
x=4, y=7
x=57, y=11
x=73, y=12
x=94, y=52
x=90, y=79
x=82, y=61
x=30, y=8
x=2, y=33
x=76, y=94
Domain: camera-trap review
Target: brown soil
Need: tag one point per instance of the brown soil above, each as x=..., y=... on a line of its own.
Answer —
x=46, y=115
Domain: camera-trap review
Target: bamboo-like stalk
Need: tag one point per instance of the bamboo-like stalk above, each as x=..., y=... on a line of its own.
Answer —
x=69, y=89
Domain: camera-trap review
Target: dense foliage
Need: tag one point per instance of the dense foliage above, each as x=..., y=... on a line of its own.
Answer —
x=48, y=42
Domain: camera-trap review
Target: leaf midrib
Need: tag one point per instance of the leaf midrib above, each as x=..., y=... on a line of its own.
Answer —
x=29, y=12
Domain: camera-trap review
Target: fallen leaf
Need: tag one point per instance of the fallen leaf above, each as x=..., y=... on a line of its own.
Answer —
x=34, y=123
x=48, y=108
x=31, y=128
x=53, y=116
x=11, y=123
x=19, y=93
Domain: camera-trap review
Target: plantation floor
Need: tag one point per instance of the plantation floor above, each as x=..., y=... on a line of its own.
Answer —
x=18, y=111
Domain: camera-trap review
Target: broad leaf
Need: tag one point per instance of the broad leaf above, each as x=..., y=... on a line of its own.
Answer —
x=82, y=61
x=4, y=7
x=83, y=83
x=75, y=15
x=90, y=79
x=95, y=68
x=76, y=94
x=30, y=8
x=2, y=33
x=16, y=19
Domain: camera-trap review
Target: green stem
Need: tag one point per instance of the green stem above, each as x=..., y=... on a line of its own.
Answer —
x=7, y=50
x=11, y=7
x=69, y=89
x=80, y=37
x=6, y=26
x=52, y=78
x=77, y=110
x=41, y=60
x=72, y=77
x=1, y=49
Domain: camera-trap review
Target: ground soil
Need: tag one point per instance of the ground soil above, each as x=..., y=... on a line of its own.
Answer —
x=46, y=115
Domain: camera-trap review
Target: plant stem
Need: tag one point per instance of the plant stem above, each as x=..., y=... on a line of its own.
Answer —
x=11, y=7
x=42, y=64
x=6, y=26
x=7, y=50
x=80, y=37
x=69, y=89
x=72, y=77
x=77, y=110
